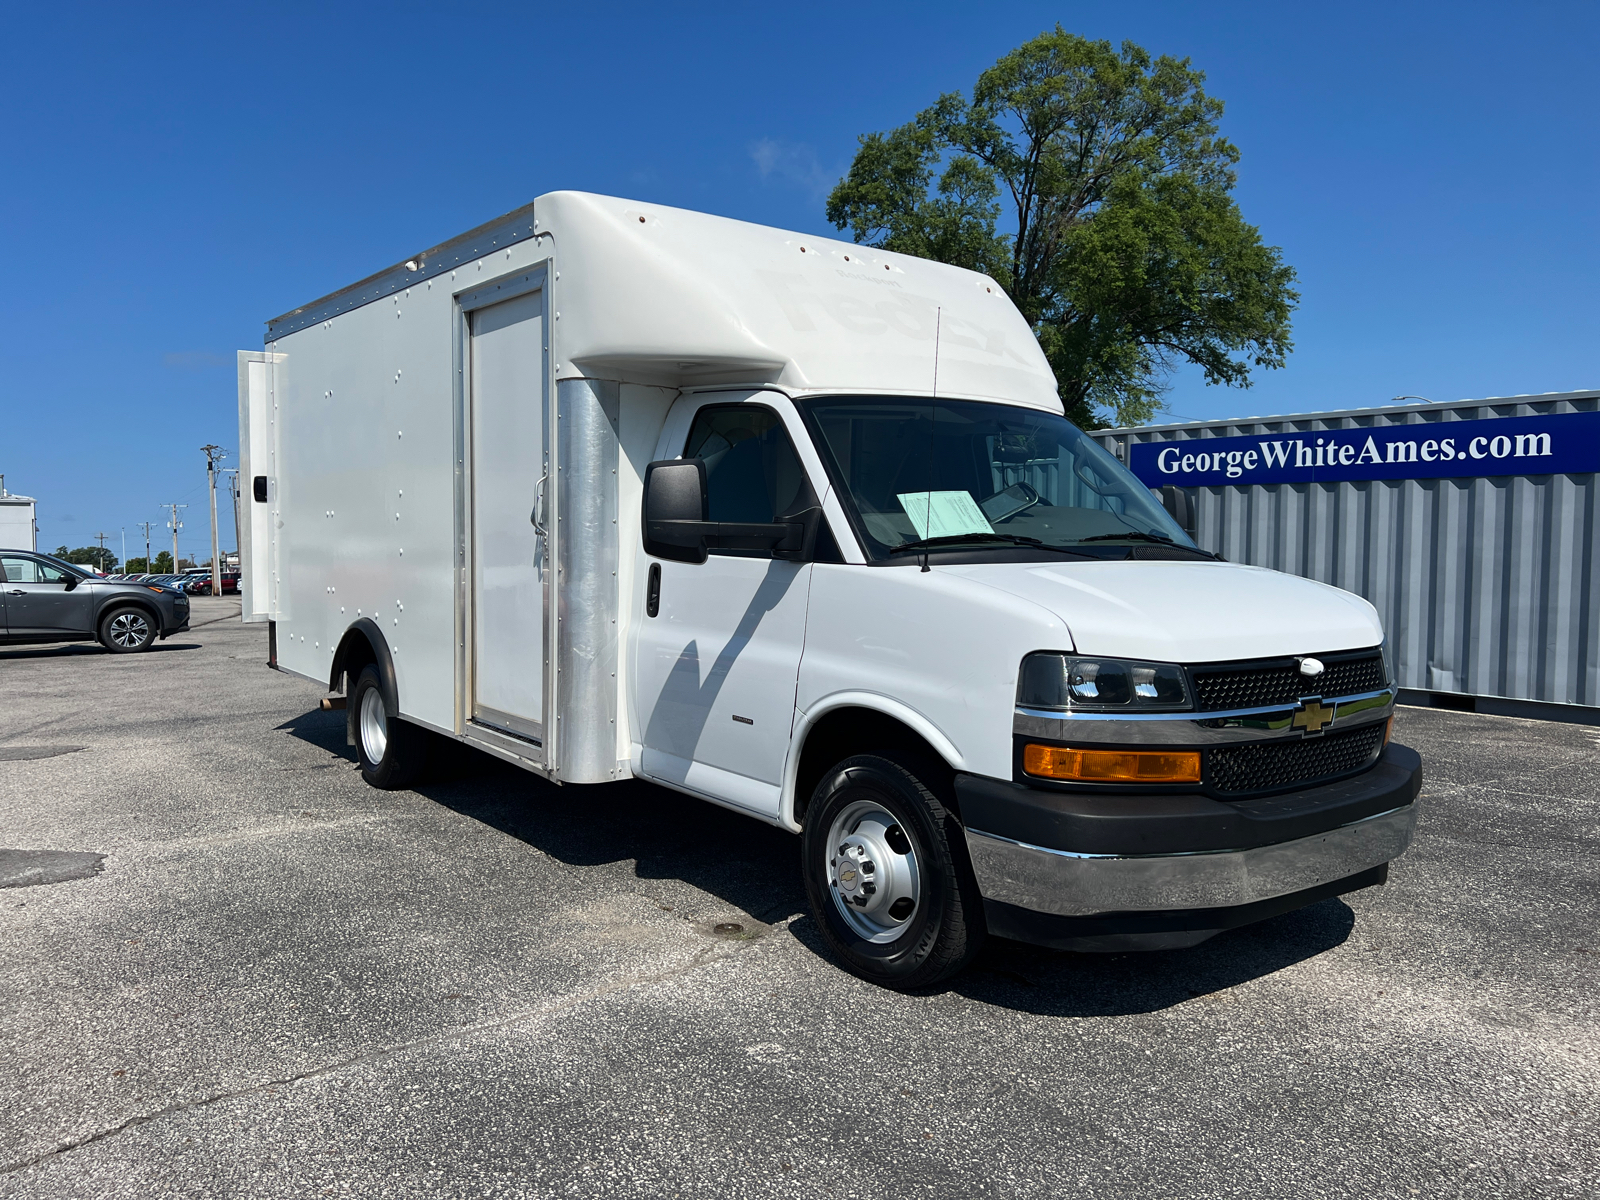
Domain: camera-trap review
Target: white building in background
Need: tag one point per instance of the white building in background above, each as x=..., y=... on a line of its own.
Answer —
x=18, y=529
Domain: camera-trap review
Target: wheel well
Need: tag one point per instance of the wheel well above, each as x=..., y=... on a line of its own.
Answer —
x=847, y=731
x=355, y=652
x=121, y=602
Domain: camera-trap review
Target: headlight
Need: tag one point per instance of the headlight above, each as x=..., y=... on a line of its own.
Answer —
x=1064, y=681
x=1388, y=662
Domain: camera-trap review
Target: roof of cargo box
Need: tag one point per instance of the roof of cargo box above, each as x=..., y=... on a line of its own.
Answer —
x=651, y=294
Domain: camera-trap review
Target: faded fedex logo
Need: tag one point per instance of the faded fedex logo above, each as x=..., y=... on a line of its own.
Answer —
x=1542, y=445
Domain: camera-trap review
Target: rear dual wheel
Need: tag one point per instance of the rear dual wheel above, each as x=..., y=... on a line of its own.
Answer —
x=887, y=874
x=393, y=752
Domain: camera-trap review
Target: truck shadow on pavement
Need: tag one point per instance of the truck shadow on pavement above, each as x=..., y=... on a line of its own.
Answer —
x=755, y=868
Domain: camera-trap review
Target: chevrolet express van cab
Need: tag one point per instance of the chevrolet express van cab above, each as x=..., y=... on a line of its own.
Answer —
x=611, y=490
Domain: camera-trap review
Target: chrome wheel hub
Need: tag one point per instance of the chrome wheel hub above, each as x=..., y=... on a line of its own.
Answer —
x=873, y=872
x=374, y=726
x=129, y=629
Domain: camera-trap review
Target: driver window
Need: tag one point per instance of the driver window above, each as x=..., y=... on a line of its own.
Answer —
x=25, y=570
x=752, y=471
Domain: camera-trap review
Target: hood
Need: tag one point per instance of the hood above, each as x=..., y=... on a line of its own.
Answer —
x=1187, y=612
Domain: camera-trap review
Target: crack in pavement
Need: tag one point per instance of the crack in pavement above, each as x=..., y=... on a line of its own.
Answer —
x=701, y=958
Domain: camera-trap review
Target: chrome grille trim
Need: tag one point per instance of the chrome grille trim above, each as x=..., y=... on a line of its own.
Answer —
x=1196, y=728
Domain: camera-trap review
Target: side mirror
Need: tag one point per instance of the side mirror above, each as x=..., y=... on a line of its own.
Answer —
x=73, y=581
x=260, y=489
x=675, y=508
x=1176, y=501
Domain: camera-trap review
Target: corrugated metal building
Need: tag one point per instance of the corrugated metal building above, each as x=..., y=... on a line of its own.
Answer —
x=1475, y=542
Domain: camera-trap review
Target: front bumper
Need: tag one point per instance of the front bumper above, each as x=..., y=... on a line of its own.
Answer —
x=1063, y=868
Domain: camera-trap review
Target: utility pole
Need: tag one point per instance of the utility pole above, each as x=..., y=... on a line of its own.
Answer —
x=147, y=525
x=124, y=563
x=233, y=487
x=174, y=525
x=100, y=563
x=214, y=454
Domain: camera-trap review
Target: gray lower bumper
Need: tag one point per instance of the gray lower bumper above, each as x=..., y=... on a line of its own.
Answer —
x=1066, y=884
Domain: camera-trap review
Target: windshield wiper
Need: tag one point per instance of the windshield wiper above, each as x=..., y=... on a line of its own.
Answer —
x=1133, y=535
x=955, y=539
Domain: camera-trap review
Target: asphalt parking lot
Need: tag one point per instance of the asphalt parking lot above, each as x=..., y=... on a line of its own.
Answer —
x=280, y=982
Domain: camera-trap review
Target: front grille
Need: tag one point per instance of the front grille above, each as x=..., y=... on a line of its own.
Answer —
x=1242, y=685
x=1269, y=766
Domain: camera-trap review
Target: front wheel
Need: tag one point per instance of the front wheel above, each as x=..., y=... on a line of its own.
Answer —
x=393, y=752
x=127, y=630
x=887, y=875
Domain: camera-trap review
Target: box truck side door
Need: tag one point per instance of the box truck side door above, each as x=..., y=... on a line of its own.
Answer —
x=715, y=668
x=507, y=406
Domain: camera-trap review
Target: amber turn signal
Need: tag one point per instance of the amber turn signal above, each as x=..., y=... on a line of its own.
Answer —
x=1112, y=766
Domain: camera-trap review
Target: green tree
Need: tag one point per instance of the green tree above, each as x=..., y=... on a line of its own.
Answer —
x=89, y=556
x=1126, y=251
x=142, y=566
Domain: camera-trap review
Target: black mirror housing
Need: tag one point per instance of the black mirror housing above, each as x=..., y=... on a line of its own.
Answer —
x=676, y=524
x=1176, y=501
x=675, y=509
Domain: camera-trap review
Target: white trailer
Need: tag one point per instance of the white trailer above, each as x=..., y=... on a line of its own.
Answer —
x=614, y=490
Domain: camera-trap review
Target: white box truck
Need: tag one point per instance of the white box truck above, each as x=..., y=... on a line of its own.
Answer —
x=614, y=490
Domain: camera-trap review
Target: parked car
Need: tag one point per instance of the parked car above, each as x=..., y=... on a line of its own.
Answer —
x=44, y=599
x=200, y=585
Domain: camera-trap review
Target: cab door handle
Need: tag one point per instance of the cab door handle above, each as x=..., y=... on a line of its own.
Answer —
x=652, y=591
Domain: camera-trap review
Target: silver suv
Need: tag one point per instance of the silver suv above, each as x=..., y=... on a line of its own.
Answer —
x=43, y=599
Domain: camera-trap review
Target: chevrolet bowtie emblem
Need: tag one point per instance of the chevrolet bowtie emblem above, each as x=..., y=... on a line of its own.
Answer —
x=1312, y=715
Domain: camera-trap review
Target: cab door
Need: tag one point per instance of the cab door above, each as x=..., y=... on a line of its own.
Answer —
x=715, y=667
x=39, y=602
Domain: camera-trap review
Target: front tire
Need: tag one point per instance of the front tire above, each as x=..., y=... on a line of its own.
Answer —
x=887, y=875
x=393, y=752
x=127, y=630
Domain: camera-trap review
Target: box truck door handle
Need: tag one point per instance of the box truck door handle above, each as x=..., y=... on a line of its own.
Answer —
x=536, y=517
x=652, y=591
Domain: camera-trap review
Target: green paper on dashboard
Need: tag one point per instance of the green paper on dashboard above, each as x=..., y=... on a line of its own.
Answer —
x=944, y=514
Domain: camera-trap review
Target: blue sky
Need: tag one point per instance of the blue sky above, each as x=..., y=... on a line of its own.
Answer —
x=173, y=176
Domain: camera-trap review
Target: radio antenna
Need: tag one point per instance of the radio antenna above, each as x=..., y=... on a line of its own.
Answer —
x=933, y=415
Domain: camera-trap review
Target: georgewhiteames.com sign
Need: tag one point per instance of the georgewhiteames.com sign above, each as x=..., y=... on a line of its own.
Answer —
x=1564, y=443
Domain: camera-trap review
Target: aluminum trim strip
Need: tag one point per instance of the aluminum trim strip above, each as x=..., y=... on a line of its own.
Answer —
x=516, y=226
x=588, y=616
x=1065, y=883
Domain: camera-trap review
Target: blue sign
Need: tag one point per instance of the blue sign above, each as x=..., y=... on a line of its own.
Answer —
x=1564, y=443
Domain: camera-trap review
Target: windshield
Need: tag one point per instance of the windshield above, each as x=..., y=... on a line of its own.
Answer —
x=971, y=474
